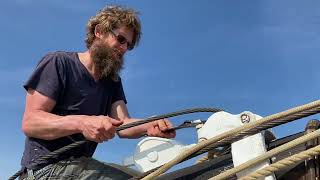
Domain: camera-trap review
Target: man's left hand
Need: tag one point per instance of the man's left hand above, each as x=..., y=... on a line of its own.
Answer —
x=161, y=128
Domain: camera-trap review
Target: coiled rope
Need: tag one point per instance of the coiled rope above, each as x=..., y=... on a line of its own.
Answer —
x=120, y=128
x=267, y=155
x=238, y=133
x=284, y=163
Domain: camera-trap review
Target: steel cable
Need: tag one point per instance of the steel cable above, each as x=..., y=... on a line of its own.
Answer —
x=120, y=128
x=177, y=113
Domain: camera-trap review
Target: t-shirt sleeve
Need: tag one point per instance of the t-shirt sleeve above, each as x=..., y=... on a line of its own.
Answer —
x=119, y=93
x=47, y=78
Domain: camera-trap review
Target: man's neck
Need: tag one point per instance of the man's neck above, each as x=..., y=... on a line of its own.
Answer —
x=86, y=60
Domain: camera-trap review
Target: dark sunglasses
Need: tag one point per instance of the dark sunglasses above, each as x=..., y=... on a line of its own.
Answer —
x=122, y=40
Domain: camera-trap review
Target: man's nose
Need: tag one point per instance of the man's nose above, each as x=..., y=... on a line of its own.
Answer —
x=123, y=48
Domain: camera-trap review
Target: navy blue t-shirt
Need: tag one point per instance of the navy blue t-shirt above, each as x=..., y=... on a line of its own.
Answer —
x=62, y=77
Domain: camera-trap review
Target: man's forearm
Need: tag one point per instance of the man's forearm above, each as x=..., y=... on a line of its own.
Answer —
x=134, y=132
x=47, y=126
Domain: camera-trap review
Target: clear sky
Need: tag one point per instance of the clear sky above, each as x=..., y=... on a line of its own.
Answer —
x=261, y=56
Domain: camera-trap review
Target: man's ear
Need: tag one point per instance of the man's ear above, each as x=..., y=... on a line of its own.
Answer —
x=98, y=32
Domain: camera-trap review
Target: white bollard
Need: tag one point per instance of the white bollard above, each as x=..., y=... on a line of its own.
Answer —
x=152, y=152
x=242, y=150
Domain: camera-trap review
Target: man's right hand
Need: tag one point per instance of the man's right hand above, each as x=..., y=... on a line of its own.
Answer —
x=99, y=128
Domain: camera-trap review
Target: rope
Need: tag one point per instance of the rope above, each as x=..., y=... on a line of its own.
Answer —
x=235, y=134
x=269, y=123
x=205, y=158
x=120, y=128
x=214, y=153
x=284, y=163
x=233, y=138
x=267, y=155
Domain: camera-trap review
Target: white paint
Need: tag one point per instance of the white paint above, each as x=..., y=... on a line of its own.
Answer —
x=153, y=152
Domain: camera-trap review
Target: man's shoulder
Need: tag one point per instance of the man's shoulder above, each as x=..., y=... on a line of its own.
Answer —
x=61, y=55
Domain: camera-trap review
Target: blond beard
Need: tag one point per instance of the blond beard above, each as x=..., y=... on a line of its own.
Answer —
x=106, y=61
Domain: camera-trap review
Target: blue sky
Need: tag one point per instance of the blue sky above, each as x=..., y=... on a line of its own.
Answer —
x=261, y=56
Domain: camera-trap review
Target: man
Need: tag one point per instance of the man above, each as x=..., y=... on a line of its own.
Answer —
x=75, y=96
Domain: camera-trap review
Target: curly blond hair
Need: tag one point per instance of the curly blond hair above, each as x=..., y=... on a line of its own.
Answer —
x=112, y=17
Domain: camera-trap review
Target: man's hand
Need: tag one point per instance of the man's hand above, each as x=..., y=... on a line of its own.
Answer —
x=99, y=128
x=160, y=129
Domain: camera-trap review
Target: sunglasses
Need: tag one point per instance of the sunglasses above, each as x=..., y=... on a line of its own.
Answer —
x=122, y=40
